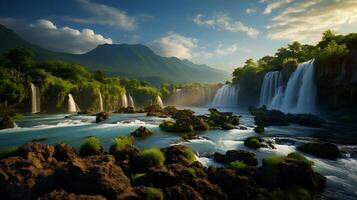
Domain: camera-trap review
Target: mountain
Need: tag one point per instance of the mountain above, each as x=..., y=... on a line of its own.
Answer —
x=134, y=61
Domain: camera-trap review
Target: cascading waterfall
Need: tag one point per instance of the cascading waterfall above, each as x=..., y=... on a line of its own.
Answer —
x=35, y=99
x=226, y=96
x=131, y=101
x=101, y=107
x=72, y=106
x=124, y=100
x=299, y=95
x=272, y=83
x=159, y=101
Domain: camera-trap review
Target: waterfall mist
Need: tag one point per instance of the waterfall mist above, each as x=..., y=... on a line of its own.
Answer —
x=35, y=99
x=226, y=96
x=159, y=101
x=72, y=106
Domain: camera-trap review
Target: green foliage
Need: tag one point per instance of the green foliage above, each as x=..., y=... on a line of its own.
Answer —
x=237, y=165
x=301, y=158
x=252, y=142
x=189, y=154
x=122, y=142
x=91, y=146
x=6, y=151
x=153, y=194
x=273, y=160
x=151, y=157
x=291, y=193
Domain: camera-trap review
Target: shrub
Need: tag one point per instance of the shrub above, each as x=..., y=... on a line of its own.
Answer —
x=121, y=143
x=153, y=194
x=6, y=151
x=190, y=155
x=301, y=158
x=236, y=165
x=273, y=160
x=252, y=142
x=151, y=157
x=91, y=146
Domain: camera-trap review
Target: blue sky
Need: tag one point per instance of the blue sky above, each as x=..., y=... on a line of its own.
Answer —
x=220, y=33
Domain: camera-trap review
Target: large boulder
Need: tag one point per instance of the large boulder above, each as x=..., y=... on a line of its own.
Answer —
x=236, y=155
x=7, y=122
x=141, y=132
x=258, y=142
x=64, y=152
x=102, y=116
x=36, y=152
x=178, y=154
x=322, y=150
x=182, y=192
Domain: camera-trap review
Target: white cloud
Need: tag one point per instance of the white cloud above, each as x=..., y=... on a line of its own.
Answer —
x=274, y=5
x=250, y=10
x=47, y=35
x=176, y=45
x=106, y=15
x=305, y=21
x=225, y=23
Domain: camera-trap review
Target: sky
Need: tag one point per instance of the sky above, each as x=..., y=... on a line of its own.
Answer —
x=220, y=33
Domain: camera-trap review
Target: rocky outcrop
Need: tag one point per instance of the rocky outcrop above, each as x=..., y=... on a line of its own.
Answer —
x=7, y=122
x=141, y=132
x=62, y=195
x=102, y=116
x=322, y=150
x=236, y=155
x=258, y=142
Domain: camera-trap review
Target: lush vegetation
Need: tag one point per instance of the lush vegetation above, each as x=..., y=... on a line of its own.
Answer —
x=151, y=157
x=6, y=151
x=121, y=143
x=237, y=165
x=91, y=146
x=56, y=79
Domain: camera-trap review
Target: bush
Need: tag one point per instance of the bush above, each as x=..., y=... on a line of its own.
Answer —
x=252, y=142
x=189, y=154
x=301, y=158
x=153, y=194
x=4, y=152
x=151, y=157
x=236, y=165
x=120, y=143
x=91, y=146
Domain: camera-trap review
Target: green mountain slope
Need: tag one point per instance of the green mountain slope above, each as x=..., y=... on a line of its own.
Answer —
x=134, y=61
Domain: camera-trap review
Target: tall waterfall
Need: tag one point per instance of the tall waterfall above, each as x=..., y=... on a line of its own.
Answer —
x=35, y=99
x=131, y=101
x=124, y=100
x=101, y=107
x=159, y=101
x=270, y=88
x=299, y=95
x=72, y=106
x=226, y=96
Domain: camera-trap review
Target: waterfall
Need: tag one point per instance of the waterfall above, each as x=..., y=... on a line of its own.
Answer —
x=101, y=107
x=131, y=101
x=35, y=99
x=226, y=96
x=72, y=106
x=300, y=93
x=271, y=84
x=159, y=101
x=124, y=100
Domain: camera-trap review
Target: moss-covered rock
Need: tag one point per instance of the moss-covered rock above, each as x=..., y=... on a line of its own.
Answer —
x=259, y=129
x=141, y=132
x=258, y=142
x=7, y=122
x=102, y=116
x=91, y=146
x=322, y=150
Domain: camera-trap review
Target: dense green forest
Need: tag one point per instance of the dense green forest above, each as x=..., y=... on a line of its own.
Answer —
x=330, y=54
x=56, y=79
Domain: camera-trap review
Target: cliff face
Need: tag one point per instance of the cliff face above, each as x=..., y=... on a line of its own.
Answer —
x=337, y=83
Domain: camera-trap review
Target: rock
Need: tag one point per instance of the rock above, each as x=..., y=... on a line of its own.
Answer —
x=153, y=108
x=169, y=110
x=64, y=152
x=189, y=136
x=208, y=190
x=102, y=116
x=177, y=154
x=149, y=193
x=141, y=132
x=180, y=126
x=305, y=119
x=259, y=129
x=258, y=142
x=225, y=120
x=182, y=192
x=234, y=155
x=322, y=150
x=62, y=195
x=183, y=114
x=128, y=109
x=7, y=122
x=36, y=152
x=227, y=126
x=95, y=175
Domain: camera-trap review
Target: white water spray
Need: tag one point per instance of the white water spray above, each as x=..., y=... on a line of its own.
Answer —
x=35, y=99
x=226, y=96
x=159, y=101
x=270, y=88
x=72, y=106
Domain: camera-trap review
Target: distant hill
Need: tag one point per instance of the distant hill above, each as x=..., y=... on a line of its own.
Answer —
x=134, y=61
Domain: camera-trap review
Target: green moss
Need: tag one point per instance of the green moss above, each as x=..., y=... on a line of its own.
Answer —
x=121, y=143
x=273, y=160
x=237, y=165
x=291, y=193
x=136, y=176
x=252, y=142
x=6, y=151
x=259, y=129
x=17, y=116
x=190, y=155
x=300, y=157
x=153, y=194
x=91, y=146
x=227, y=126
x=167, y=125
x=191, y=171
x=151, y=157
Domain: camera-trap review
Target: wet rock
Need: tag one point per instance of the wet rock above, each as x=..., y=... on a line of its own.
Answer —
x=259, y=129
x=128, y=109
x=102, y=116
x=177, y=154
x=236, y=155
x=305, y=120
x=322, y=150
x=149, y=193
x=36, y=152
x=141, y=132
x=258, y=142
x=7, y=122
x=62, y=195
x=227, y=126
x=182, y=192
x=65, y=152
